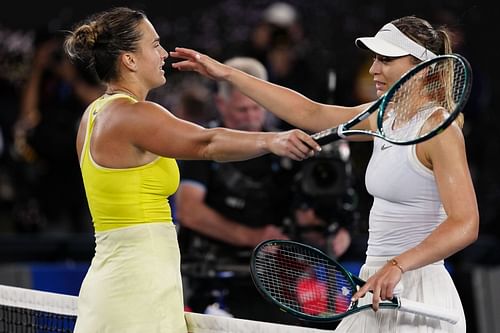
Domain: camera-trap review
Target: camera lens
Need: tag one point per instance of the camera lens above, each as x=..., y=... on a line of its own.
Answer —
x=324, y=174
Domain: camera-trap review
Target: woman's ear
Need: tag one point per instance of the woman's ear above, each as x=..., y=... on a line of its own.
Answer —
x=128, y=60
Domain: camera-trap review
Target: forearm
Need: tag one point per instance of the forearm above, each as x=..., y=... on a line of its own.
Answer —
x=154, y=129
x=226, y=145
x=285, y=103
x=448, y=238
x=210, y=223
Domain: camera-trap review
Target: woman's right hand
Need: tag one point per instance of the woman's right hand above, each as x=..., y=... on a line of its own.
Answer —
x=294, y=144
x=201, y=63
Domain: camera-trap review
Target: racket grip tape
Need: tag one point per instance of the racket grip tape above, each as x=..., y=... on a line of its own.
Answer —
x=326, y=136
x=428, y=310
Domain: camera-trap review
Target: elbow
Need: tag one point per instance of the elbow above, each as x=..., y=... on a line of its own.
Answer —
x=472, y=229
x=211, y=150
x=184, y=217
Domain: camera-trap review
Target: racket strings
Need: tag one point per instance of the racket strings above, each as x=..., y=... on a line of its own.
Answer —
x=303, y=281
x=425, y=101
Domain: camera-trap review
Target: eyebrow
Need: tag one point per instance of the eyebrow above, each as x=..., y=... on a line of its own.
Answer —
x=386, y=58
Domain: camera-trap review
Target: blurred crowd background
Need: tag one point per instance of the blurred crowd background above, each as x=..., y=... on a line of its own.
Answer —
x=305, y=45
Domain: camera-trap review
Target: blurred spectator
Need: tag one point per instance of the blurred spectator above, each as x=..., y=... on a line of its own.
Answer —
x=226, y=209
x=188, y=96
x=278, y=40
x=14, y=46
x=53, y=98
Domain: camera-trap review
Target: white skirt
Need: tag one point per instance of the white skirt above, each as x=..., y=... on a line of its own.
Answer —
x=133, y=284
x=431, y=285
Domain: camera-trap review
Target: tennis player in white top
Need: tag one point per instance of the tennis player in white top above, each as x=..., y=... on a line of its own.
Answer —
x=424, y=207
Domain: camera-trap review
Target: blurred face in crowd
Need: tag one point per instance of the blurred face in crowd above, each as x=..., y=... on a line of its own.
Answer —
x=240, y=112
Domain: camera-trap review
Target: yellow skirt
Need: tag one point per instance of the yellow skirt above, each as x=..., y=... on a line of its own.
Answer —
x=133, y=284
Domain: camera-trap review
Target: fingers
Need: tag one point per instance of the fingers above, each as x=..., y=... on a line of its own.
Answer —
x=381, y=285
x=295, y=153
x=305, y=144
x=191, y=58
x=311, y=143
x=301, y=150
x=375, y=295
x=185, y=53
x=182, y=65
x=305, y=139
x=361, y=292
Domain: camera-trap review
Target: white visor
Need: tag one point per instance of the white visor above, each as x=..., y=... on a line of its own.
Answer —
x=391, y=42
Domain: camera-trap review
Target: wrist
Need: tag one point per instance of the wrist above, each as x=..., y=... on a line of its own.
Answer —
x=264, y=142
x=229, y=74
x=394, y=262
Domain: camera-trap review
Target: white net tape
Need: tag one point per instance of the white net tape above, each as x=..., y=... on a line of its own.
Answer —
x=197, y=323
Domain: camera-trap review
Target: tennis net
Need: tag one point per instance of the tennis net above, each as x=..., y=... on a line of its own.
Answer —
x=32, y=311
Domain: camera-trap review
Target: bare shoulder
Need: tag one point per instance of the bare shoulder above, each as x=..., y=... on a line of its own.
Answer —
x=132, y=122
x=450, y=138
x=143, y=111
x=447, y=146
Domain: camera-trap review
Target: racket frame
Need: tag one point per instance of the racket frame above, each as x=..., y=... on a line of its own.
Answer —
x=465, y=92
x=395, y=303
x=344, y=129
x=353, y=279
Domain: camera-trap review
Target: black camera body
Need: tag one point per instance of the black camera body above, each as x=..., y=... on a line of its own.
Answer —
x=325, y=183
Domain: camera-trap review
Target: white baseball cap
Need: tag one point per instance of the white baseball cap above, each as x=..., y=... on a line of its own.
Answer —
x=281, y=13
x=391, y=42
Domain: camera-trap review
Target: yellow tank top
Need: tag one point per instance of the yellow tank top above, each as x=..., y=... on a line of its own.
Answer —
x=126, y=197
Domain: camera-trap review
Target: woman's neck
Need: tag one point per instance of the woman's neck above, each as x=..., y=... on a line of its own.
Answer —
x=116, y=89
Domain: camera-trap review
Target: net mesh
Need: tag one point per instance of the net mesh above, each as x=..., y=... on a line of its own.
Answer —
x=33, y=311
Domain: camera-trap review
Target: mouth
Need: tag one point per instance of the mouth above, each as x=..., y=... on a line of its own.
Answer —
x=380, y=86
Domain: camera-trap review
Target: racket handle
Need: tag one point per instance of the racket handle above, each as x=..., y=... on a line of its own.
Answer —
x=428, y=310
x=326, y=136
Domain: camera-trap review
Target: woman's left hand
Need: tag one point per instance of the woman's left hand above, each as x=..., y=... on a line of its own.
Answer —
x=381, y=284
x=198, y=62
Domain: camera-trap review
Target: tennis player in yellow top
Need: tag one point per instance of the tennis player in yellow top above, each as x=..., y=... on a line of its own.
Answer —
x=127, y=148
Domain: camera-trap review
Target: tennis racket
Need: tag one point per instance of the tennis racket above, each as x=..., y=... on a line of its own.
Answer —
x=420, y=105
x=308, y=284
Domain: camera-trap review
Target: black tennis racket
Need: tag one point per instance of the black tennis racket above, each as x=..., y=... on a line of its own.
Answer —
x=310, y=285
x=420, y=105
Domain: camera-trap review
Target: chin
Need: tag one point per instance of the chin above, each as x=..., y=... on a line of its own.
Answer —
x=160, y=82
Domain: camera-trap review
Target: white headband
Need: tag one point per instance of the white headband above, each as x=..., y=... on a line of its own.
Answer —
x=391, y=42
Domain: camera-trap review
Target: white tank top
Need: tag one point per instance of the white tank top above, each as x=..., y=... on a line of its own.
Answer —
x=406, y=206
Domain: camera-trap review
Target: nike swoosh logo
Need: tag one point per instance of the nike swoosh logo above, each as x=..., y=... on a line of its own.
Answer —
x=384, y=147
